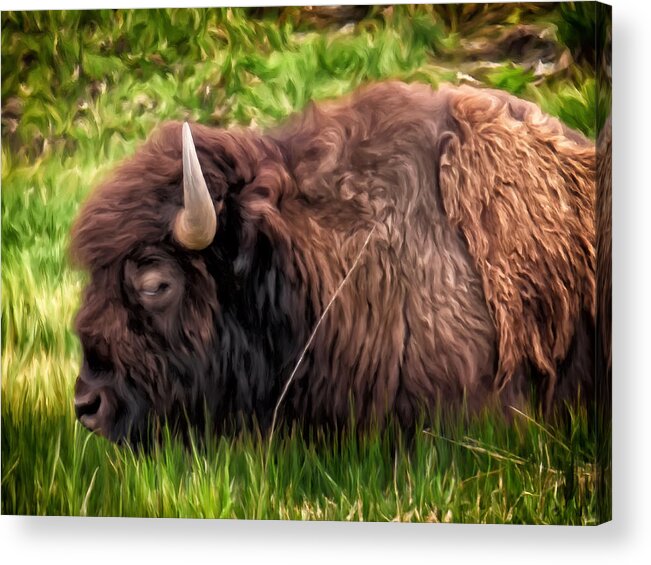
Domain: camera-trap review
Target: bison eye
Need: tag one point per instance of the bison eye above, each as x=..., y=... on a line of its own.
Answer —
x=156, y=289
x=153, y=283
x=153, y=291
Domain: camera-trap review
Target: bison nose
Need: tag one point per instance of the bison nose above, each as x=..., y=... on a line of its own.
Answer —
x=88, y=405
x=88, y=409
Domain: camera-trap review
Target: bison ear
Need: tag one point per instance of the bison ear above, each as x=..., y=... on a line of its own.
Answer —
x=259, y=202
x=522, y=195
x=196, y=223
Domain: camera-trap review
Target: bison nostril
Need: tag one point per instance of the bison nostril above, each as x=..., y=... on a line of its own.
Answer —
x=97, y=360
x=88, y=405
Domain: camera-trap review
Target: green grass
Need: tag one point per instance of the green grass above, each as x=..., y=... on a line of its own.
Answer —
x=90, y=86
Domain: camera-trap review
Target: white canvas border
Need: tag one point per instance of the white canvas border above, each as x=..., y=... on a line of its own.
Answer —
x=626, y=539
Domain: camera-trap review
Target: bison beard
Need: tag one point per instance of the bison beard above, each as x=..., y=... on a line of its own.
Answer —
x=477, y=287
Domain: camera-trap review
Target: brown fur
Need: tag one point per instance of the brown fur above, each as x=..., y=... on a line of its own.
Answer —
x=522, y=192
x=604, y=241
x=480, y=271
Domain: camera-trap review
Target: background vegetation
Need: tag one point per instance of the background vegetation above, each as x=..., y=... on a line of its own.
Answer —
x=80, y=91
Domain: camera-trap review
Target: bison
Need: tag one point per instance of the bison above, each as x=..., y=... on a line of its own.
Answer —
x=460, y=219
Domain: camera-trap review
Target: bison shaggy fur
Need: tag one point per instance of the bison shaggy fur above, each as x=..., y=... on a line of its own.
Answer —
x=476, y=288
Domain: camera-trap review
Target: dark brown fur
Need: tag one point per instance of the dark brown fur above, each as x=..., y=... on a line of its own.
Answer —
x=478, y=282
x=604, y=241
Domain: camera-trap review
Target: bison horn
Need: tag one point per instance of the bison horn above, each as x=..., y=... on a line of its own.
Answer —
x=196, y=223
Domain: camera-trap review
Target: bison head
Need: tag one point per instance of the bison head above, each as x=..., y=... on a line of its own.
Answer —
x=150, y=316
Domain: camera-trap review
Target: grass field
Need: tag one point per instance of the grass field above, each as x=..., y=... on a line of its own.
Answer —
x=80, y=91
